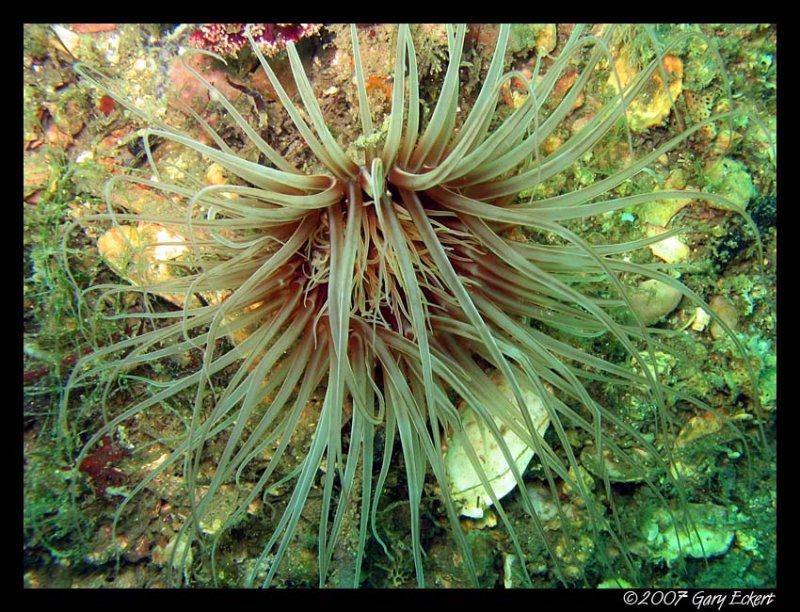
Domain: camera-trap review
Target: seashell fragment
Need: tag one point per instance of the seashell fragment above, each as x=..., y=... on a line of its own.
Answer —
x=465, y=485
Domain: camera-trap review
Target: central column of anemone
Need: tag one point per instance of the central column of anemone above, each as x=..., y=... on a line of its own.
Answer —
x=377, y=294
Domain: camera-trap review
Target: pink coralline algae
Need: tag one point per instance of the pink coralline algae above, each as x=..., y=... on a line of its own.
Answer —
x=227, y=39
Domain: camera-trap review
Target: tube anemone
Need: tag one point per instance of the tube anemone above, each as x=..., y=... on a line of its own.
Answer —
x=345, y=321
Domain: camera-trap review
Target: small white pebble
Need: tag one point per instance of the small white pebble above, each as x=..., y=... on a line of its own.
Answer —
x=701, y=319
x=112, y=49
x=508, y=572
x=84, y=156
x=69, y=39
x=140, y=64
x=337, y=58
x=670, y=250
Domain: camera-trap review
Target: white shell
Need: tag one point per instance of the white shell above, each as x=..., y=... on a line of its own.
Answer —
x=701, y=319
x=465, y=486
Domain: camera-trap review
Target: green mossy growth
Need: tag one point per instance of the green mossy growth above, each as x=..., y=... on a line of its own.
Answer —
x=729, y=177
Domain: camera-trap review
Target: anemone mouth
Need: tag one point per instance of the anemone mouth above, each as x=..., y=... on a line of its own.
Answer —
x=406, y=290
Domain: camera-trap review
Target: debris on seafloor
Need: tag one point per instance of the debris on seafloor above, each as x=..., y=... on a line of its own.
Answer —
x=670, y=249
x=143, y=254
x=700, y=531
x=653, y=300
x=653, y=104
x=466, y=488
